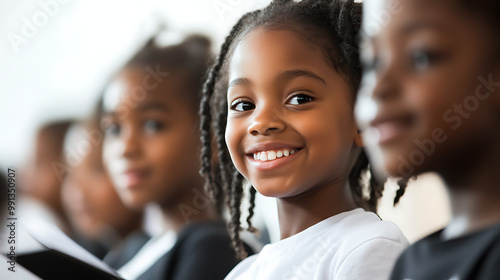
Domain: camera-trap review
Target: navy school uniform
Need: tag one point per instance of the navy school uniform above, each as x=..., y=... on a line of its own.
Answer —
x=472, y=257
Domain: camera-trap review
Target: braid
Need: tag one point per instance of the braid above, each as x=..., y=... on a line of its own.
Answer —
x=376, y=190
x=250, y=210
x=219, y=182
x=345, y=21
x=222, y=155
x=236, y=193
x=402, y=183
x=206, y=115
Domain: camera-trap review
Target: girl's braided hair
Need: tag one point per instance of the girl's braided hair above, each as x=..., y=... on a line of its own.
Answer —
x=331, y=24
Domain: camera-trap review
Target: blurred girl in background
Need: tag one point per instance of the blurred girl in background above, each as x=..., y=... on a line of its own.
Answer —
x=99, y=219
x=432, y=104
x=151, y=151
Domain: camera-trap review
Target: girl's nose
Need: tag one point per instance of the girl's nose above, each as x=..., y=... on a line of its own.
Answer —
x=131, y=143
x=266, y=121
x=386, y=86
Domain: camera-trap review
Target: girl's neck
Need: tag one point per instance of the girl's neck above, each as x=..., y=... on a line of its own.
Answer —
x=474, y=193
x=307, y=209
x=192, y=207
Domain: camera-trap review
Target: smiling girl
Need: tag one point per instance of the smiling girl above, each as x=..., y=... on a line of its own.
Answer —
x=279, y=102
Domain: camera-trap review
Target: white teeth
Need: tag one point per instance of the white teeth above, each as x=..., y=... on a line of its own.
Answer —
x=263, y=156
x=271, y=155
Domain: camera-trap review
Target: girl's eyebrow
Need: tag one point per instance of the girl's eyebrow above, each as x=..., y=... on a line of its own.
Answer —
x=406, y=30
x=295, y=73
x=153, y=106
x=285, y=76
x=415, y=26
x=239, y=82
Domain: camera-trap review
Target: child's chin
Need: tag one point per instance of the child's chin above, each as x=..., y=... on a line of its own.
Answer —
x=272, y=190
x=397, y=168
x=133, y=202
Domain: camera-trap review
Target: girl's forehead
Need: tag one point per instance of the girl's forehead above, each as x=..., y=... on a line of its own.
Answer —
x=274, y=48
x=114, y=93
x=130, y=93
x=403, y=17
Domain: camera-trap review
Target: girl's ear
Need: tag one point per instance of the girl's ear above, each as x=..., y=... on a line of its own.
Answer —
x=358, y=139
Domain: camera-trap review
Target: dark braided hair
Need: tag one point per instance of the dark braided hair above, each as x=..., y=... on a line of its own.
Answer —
x=332, y=25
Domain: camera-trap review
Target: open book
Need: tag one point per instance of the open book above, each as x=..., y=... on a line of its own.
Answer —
x=47, y=252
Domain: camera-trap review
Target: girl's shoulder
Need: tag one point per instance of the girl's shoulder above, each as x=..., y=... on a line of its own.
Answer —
x=362, y=227
x=361, y=224
x=366, y=239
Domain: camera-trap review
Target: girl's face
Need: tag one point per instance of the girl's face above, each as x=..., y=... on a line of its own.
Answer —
x=290, y=125
x=91, y=200
x=151, y=143
x=428, y=93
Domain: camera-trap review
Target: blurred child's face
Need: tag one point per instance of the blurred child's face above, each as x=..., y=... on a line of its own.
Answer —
x=91, y=200
x=40, y=179
x=290, y=126
x=151, y=146
x=428, y=89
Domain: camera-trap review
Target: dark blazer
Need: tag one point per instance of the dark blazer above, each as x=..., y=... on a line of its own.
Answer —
x=202, y=252
x=119, y=256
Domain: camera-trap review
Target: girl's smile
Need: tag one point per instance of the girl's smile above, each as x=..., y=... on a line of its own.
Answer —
x=132, y=178
x=268, y=156
x=392, y=126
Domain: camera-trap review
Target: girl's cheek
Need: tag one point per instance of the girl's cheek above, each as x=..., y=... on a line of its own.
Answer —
x=110, y=151
x=233, y=138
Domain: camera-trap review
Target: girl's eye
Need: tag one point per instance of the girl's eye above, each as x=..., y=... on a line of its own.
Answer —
x=151, y=126
x=242, y=106
x=112, y=130
x=422, y=59
x=300, y=99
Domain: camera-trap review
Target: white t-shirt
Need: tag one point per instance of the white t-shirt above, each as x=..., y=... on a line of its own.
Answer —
x=353, y=245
